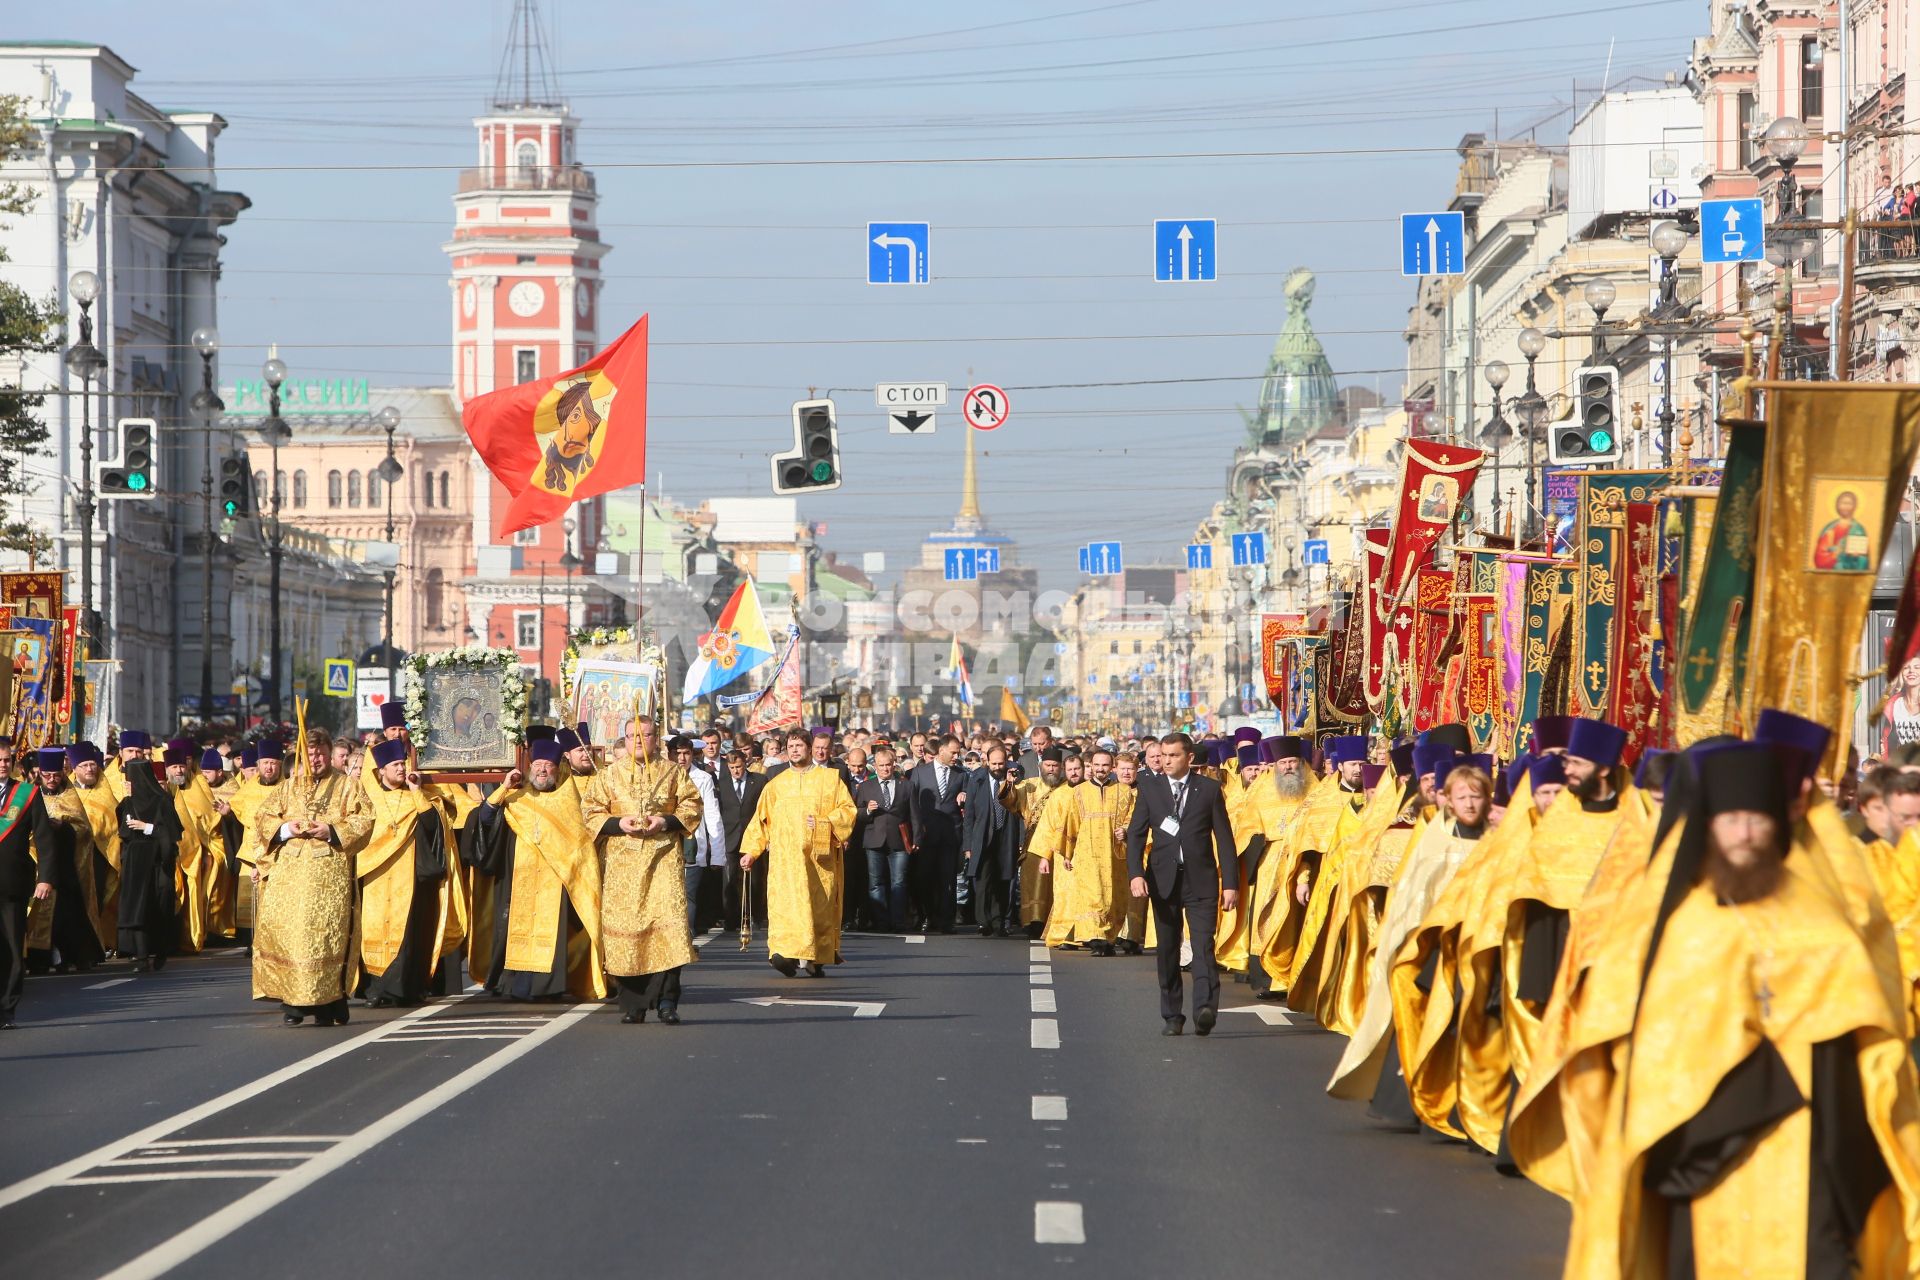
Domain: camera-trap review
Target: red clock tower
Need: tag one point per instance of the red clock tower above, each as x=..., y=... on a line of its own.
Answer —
x=526, y=253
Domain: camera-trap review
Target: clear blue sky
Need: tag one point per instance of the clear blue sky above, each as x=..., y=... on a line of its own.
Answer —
x=349, y=120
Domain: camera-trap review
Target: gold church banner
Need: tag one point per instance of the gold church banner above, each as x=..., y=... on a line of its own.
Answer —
x=1839, y=455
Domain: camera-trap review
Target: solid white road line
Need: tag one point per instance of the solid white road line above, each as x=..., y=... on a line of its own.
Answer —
x=1046, y=1033
x=207, y=1157
x=171, y=1143
x=1049, y=1106
x=102, y=986
x=174, y=1175
x=1043, y=1001
x=193, y=1115
x=218, y=1226
x=1057, y=1222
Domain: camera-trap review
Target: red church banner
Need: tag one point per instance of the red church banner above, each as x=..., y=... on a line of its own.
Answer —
x=1433, y=477
x=556, y=441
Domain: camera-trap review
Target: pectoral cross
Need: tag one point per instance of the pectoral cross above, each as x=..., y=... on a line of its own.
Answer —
x=1765, y=995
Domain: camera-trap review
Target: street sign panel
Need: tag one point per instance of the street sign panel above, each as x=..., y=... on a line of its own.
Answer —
x=985, y=407
x=961, y=564
x=1183, y=699
x=1103, y=557
x=910, y=422
x=910, y=395
x=1249, y=548
x=988, y=558
x=1732, y=230
x=1199, y=555
x=371, y=691
x=1315, y=551
x=1086, y=560
x=1664, y=199
x=1183, y=249
x=897, y=252
x=339, y=677
x=1433, y=244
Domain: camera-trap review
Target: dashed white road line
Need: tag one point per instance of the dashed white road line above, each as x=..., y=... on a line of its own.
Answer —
x=1043, y=1000
x=1046, y=1033
x=1040, y=975
x=1049, y=1106
x=102, y=986
x=1059, y=1222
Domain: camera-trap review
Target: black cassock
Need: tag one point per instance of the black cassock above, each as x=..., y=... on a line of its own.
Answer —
x=74, y=941
x=147, y=866
x=994, y=834
x=494, y=849
x=413, y=973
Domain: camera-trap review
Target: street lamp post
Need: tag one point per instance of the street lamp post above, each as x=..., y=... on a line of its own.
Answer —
x=1496, y=433
x=85, y=359
x=1669, y=239
x=207, y=403
x=1599, y=295
x=1531, y=410
x=390, y=473
x=277, y=433
x=1786, y=141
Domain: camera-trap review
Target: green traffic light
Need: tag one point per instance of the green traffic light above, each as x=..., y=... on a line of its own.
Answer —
x=822, y=472
x=232, y=507
x=136, y=482
x=1600, y=441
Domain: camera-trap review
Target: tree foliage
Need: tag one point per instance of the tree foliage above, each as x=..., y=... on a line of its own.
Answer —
x=28, y=326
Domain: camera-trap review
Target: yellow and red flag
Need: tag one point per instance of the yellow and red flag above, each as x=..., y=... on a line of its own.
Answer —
x=555, y=441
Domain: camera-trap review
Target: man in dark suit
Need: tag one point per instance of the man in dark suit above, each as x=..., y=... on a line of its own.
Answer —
x=23, y=819
x=991, y=837
x=886, y=833
x=738, y=793
x=936, y=788
x=1192, y=858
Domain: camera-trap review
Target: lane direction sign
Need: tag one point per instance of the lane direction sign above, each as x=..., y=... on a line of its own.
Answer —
x=1249, y=548
x=897, y=252
x=915, y=395
x=1103, y=558
x=1199, y=555
x=1085, y=561
x=960, y=564
x=987, y=559
x=1183, y=249
x=1732, y=231
x=1433, y=244
x=985, y=407
x=1314, y=551
x=910, y=422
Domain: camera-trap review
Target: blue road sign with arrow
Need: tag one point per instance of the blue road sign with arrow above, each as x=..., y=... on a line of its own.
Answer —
x=1249, y=548
x=1183, y=249
x=1103, y=557
x=1084, y=561
x=961, y=564
x=1315, y=550
x=1199, y=555
x=1433, y=244
x=1732, y=231
x=897, y=252
x=988, y=558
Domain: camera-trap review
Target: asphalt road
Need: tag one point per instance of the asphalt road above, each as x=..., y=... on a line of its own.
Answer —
x=1003, y=1112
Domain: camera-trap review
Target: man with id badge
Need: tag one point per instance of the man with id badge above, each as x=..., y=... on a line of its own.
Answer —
x=1192, y=858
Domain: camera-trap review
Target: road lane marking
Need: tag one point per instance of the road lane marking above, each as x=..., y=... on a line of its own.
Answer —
x=1059, y=1222
x=1049, y=1106
x=102, y=986
x=218, y=1226
x=173, y=1175
x=1038, y=954
x=1046, y=1033
x=861, y=1008
x=1269, y=1014
x=255, y=1141
x=146, y=1137
x=1042, y=999
x=913, y=938
x=1040, y=975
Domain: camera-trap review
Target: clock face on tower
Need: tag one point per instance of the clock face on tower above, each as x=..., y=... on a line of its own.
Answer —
x=469, y=300
x=583, y=299
x=526, y=298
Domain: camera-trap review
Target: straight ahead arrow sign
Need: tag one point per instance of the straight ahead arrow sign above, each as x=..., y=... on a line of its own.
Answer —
x=861, y=1009
x=913, y=419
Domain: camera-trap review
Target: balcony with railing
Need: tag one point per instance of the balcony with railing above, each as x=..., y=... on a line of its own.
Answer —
x=527, y=178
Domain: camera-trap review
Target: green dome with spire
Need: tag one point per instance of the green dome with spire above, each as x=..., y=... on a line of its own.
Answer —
x=1298, y=396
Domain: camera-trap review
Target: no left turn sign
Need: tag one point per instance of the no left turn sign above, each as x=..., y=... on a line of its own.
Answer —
x=985, y=407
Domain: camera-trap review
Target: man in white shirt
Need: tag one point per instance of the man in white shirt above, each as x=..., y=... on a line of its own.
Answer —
x=706, y=845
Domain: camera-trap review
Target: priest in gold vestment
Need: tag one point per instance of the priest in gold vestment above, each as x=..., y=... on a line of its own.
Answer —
x=309, y=831
x=84, y=765
x=546, y=899
x=1272, y=803
x=410, y=906
x=1028, y=798
x=63, y=924
x=1084, y=828
x=244, y=804
x=639, y=810
x=804, y=819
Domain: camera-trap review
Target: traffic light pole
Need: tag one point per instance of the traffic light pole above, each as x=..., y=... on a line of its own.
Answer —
x=206, y=562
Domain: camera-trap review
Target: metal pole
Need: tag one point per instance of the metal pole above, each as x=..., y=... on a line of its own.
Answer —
x=273, y=560
x=546, y=697
x=206, y=560
x=1843, y=314
x=387, y=474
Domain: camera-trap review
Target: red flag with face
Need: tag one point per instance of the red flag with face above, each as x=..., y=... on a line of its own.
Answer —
x=555, y=441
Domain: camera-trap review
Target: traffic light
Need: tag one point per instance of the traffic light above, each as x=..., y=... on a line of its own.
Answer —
x=814, y=462
x=236, y=487
x=133, y=475
x=1592, y=435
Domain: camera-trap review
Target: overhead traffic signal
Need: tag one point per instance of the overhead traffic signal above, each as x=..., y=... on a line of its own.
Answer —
x=133, y=475
x=1592, y=435
x=814, y=462
x=236, y=487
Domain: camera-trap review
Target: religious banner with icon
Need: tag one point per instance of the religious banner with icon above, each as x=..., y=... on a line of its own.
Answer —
x=1433, y=600
x=1600, y=614
x=32, y=652
x=1376, y=614
x=1300, y=699
x=466, y=709
x=1275, y=629
x=1433, y=478
x=1480, y=686
x=1549, y=604
x=1824, y=513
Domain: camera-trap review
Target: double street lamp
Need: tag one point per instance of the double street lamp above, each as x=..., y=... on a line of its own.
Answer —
x=1496, y=433
x=1669, y=240
x=390, y=472
x=276, y=433
x=85, y=360
x=1530, y=407
x=207, y=403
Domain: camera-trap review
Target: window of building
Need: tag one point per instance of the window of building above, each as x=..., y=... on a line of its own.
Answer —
x=299, y=489
x=526, y=364
x=1812, y=60
x=1113, y=646
x=526, y=161
x=527, y=537
x=1814, y=210
x=353, y=488
x=373, y=487
x=526, y=629
x=436, y=599
x=260, y=491
x=446, y=490
x=426, y=487
x=1136, y=646
x=1748, y=146
x=335, y=483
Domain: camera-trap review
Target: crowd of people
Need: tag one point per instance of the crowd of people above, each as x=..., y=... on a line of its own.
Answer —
x=1681, y=995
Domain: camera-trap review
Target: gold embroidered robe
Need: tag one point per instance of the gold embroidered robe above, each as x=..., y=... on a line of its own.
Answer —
x=643, y=899
x=303, y=944
x=804, y=818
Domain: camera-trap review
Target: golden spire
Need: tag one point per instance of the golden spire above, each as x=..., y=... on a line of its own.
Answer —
x=970, y=486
